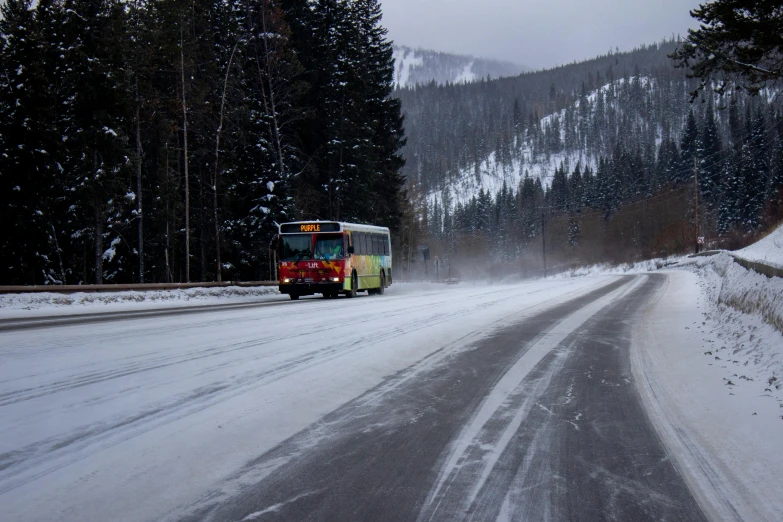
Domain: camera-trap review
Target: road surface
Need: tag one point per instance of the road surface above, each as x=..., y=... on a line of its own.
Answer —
x=505, y=402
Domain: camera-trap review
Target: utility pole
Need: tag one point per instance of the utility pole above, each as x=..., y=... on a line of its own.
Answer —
x=543, y=241
x=696, y=196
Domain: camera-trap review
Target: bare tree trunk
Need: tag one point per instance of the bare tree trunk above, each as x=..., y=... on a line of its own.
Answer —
x=84, y=262
x=59, y=255
x=98, y=228
x=169, y=275
x=267, y=62
x=202, y=235
x=217, y=166
x=98, y=241
x=185, y=149
x=340, y=171
x=139, y=215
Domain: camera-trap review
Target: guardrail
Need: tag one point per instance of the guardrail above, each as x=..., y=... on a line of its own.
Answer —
x=761, y=268
x=68, y=289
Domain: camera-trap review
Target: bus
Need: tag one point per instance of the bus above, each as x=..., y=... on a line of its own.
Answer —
x=332, y=258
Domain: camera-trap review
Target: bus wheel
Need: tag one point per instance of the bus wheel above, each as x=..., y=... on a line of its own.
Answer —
x=354, y=285
x=383, y=285
x=293, y=297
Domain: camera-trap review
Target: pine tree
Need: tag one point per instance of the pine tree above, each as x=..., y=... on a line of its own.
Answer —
x=737, y=41
x=756, y=171
x=383, y=119
x=29, y=169
x=710, y=161
x=259, y=178
x=94, y=129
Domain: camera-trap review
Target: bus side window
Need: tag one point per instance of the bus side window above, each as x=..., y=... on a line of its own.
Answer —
x=385, y=245
x=374, y=244
x=359, y=243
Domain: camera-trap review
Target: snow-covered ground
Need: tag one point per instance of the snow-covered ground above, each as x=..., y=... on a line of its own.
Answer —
x=640, y=267
x=709, y=375
x=492, y=175
x=404, y=60
x=709, y=360
x=147, y=419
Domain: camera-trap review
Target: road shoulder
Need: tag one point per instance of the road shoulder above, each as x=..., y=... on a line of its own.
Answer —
x=722, y=434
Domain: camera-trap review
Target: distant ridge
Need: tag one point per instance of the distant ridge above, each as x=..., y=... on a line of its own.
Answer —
x=422, y=66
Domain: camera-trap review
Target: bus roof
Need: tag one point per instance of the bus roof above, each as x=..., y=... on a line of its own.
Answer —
x=340, y=226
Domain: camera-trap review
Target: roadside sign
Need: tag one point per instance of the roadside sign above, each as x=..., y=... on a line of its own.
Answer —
x=700, y=240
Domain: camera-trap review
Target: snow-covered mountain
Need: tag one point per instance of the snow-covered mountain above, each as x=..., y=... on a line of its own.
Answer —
x=527, y=158
x=418, y=66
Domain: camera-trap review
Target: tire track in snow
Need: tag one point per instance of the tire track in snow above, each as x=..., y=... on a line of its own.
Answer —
x=28, y=463
x=372, y=458
x=155, y=363
x=477, y=450
x=595, y=456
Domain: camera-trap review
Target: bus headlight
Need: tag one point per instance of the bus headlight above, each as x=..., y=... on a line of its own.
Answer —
x=336, y=279
x=286, y=280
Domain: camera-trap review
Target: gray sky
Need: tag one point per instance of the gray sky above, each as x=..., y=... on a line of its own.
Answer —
x=536, y=33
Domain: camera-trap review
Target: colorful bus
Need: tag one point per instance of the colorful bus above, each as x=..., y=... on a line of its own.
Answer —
x=332, y=258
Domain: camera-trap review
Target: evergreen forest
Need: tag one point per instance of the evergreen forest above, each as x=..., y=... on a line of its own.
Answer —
x=162, y=141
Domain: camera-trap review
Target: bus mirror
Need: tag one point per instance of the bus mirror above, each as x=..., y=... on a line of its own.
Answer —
x=350, y=249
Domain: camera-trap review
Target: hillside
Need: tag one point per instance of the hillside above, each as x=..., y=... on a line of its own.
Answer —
x=599, y=148
x=452, y=129
x=420, y=66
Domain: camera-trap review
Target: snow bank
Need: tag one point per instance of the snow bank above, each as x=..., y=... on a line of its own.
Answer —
x=748, y=311
x=648, y=265
x=768, y=250
x=706, y=373
x=44, y=303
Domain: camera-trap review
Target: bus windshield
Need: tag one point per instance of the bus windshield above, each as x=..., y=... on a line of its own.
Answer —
x=328, y=247
x=296, y=247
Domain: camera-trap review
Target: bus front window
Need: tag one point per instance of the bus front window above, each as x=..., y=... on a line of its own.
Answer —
x=328, y=247
x=296, y=247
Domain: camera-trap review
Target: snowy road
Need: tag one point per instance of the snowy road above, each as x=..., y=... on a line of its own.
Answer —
x=506, y=402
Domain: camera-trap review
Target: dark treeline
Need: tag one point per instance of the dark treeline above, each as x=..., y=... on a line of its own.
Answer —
x=640, y=146
x=162, y=140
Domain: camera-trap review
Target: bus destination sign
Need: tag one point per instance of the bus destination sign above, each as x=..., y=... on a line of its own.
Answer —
x=309, y=228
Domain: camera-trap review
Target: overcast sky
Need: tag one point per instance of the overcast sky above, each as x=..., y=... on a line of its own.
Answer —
x=535, y=33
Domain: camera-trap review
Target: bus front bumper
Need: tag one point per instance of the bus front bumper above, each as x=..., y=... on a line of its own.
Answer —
x=311, y=288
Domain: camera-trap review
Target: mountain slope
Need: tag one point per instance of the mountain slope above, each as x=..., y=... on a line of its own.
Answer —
x=606, y=151
x=453, y=129
x=421, y=66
